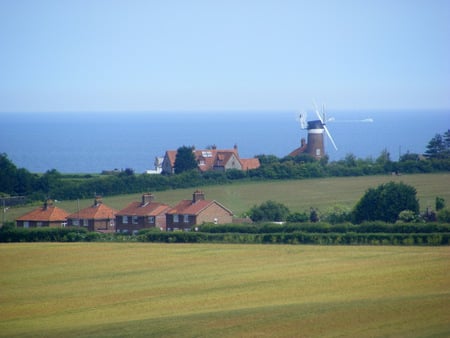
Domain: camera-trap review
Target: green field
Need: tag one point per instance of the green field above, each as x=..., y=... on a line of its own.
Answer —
x=298, y=195
x=136, y=289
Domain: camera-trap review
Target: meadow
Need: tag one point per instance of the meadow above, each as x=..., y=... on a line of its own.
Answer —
x=298, y=195
x=222, y=290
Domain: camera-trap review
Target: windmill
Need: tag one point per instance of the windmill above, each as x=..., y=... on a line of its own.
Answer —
x=315, y=144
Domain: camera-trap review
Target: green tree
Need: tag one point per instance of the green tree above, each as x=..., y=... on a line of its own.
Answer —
x=440, y=203
x=439, y=146
x=269, y=211
x=185, y=160
x=385, y=203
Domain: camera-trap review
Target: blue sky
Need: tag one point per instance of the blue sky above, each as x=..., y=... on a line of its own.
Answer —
x=93, y=55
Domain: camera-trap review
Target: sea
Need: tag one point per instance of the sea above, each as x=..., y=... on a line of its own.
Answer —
x=93, y=142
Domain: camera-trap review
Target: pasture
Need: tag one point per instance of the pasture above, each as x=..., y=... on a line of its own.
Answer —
x=219, y=290
x=297, y=195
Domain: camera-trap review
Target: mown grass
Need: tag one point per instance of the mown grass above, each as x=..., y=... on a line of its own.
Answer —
x=133, y=289
x=298, y=195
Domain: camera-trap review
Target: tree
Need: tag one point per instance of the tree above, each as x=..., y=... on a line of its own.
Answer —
x=439, y=146
x=385, y=203
x=185, y=160
x=440, y=203
x=269, y=211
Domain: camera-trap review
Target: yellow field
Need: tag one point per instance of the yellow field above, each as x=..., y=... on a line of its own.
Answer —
x=137, y=289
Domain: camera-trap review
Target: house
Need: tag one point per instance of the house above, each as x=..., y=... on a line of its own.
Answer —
x=212, y=159
x=97, y=217
x=46, y=216
x=142, y=215
x=196, y=211
x=301, y=150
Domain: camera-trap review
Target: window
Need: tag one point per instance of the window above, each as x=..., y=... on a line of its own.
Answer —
x=186, y=218
x=26, y=224
x=39, y=224
x=125, y=219
x=151, y=219
x=175, y=218
x=135, y=220
x=76, y=222
x=85, y=222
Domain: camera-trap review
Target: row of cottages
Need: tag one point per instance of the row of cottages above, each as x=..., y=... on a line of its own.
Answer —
x=212, y=159
x=138, y=215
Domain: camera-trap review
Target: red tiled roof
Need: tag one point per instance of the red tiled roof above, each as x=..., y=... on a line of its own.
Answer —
x=45, y=214
x=96, y=211
x=139, y=209
x=250, y=163
x=298, y=151
x=208, y=158
x=187, y=207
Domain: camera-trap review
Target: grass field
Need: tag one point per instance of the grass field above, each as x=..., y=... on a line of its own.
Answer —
x=298, y=195
x=135, y=289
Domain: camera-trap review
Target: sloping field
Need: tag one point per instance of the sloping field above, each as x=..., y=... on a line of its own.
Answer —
x=298, y=195
x=135, y=289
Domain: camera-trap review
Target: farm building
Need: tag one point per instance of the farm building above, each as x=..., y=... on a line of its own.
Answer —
x=212, y=159
x=142, y=215
x=97, y=217
x=196, y=211
x=46, y=216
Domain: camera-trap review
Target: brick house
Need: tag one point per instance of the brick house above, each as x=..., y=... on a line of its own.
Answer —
x=212, y=159
x=142, y=215
x=97, y=217
x=46, y=216
x=189, y=213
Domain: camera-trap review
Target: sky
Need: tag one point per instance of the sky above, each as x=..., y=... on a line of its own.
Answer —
x=131, y=55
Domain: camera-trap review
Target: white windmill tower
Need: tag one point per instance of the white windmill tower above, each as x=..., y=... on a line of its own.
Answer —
x=315, y=144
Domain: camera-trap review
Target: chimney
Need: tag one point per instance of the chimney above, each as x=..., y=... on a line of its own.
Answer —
x=198, y=196
x=98, y=200
x=48, y=203
x=147, y=198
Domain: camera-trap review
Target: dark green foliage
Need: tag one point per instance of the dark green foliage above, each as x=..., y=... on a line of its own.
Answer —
x=269, y=211
x=13, y=180
x=439, y=146
x=385, y=203
x=313, y=216
x=297, y=217
x=444, y=215
x=374, y=233
x=185, y=160
x=440, y=203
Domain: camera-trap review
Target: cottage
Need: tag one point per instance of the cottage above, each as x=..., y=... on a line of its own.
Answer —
x=97, y=217
x=212, y=159
x=142, y=215
x=46, y=216
x=189, y=213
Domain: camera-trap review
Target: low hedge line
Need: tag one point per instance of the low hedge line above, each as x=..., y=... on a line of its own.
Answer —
x=350, y=238
x=295, y=237
x=368, y=227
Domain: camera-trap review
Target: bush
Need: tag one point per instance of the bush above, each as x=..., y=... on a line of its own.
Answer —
x=444, y=215
x=269, y=211
x=385, y=203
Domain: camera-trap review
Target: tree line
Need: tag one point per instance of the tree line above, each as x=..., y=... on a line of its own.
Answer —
x=53, y=184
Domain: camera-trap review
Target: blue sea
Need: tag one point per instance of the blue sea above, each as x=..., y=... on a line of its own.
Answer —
x=92, y=142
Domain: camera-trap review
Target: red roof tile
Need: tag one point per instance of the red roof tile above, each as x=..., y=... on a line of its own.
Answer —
x=95, y=211
x=139, y=209
x=45, y=214
x=250, y=163
x=187, y=207
x=208, y=158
